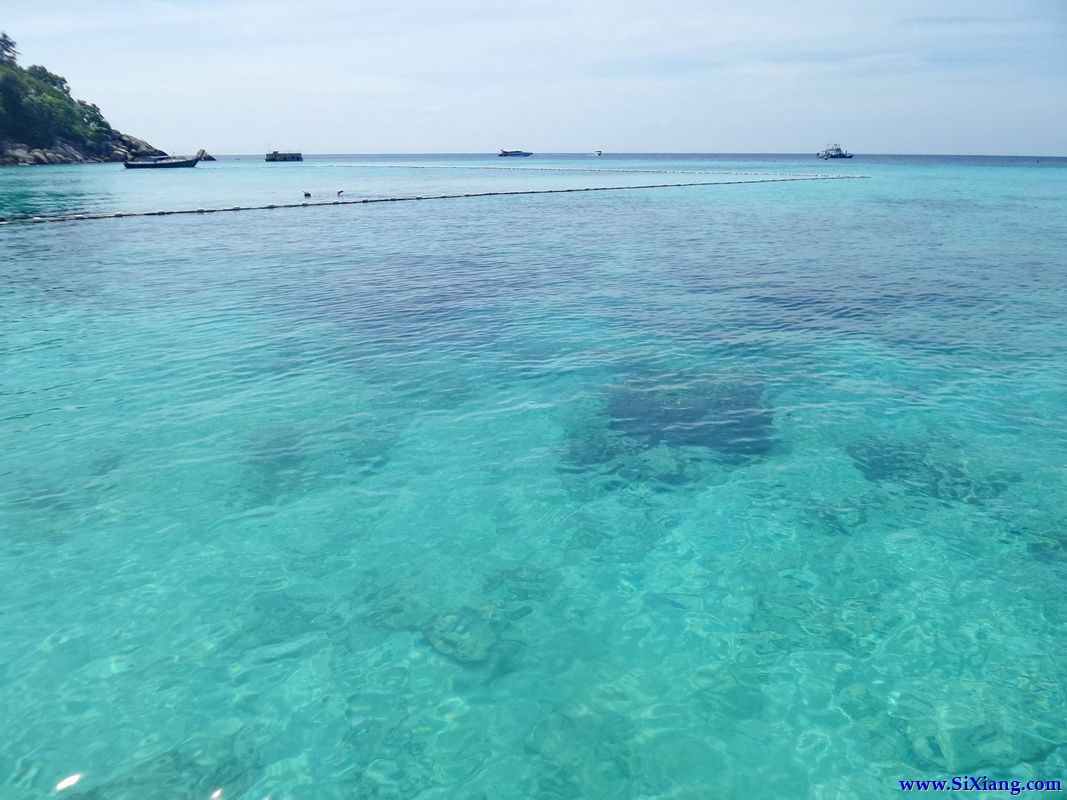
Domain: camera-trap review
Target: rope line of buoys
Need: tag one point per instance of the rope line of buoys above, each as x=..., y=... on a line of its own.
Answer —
x=409, y=198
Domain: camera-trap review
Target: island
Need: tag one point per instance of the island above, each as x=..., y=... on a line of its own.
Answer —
x=41, y=123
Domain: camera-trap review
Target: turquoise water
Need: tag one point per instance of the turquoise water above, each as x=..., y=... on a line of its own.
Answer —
x=711, y=492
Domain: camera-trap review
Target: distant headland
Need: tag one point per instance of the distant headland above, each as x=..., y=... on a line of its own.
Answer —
x=40, y=123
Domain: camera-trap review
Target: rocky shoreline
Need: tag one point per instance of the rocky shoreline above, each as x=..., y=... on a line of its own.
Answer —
x=120, y=147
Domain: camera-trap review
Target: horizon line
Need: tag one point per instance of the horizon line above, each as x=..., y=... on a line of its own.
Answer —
x=649, y=153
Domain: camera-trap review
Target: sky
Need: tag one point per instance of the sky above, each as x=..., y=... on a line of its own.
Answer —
x=410, y=76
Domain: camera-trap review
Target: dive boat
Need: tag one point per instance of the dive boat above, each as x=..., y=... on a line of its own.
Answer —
x=165, y=162
x=515, y=153
x=834, y=151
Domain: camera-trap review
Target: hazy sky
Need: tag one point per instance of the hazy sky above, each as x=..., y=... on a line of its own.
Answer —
x=395, y=76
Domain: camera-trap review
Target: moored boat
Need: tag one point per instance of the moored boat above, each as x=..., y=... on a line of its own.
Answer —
x=165, y=162
x=274, y=155
x=515, y=153
x=833, y=151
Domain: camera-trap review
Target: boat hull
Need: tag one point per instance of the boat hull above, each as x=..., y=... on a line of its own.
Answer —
x=833, y=151
x=189, y=162
x=513, y=154
x=166, y=162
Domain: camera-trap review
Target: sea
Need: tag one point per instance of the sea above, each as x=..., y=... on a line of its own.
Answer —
x=749, y=489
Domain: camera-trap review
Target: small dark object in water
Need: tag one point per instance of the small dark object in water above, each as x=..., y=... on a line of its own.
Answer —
x=340, y=192
x=307, y=194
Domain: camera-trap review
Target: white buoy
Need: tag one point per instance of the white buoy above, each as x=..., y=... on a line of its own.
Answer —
x=67, y=782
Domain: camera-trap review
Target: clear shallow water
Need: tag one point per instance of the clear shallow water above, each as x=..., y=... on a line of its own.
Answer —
x=730, y=491
x=248, y=180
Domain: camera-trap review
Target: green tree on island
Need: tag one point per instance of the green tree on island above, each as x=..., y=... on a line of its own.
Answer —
x=8, y=53
x=38, y=111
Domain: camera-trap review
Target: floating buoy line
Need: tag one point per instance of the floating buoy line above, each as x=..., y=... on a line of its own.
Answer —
x=411, y=198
